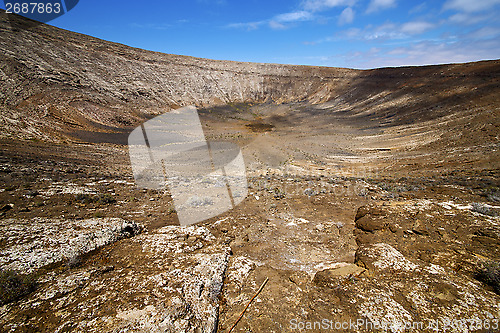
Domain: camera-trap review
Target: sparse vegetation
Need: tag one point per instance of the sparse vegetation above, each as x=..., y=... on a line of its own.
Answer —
x=33, y=193
x=492, y=193
x=279, y=193
x=74, y=261
x=103, y=198
x=494, y=196
x=39, y=203
x=98, y=214
x=489, y=273
x=398, y=188
x=483, y=209
x=106, y=199
x=171, y=210
x=84, y=198
x=14, y=286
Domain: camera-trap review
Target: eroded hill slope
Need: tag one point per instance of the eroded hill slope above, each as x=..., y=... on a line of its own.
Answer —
x=56, y=83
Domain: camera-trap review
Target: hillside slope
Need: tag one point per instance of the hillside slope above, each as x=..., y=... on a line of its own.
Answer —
x=54, y=79
x=56, y=83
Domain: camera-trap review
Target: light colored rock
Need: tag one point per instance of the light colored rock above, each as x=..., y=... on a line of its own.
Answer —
x=382, y=256
x=345, y=270
x=334, y=276
x=67, y=188
x=34, y=243
x=166, y=281
x=399, y=292
x=239, y=269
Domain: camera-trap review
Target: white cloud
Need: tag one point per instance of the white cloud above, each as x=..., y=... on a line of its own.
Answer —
x=347, y=16
x=418, y=8
x=277, y=22
x=376, y=5
x=306, y=13
x=484, y=33
x=382, y=32
x=153, y=26
x=318, y=5
x=294, y=16
x=467, y=19
x=353, y=33
x=426, y=53
x=416, y=27
x=470, y=5
x=276, y=25
x=246, y=25
x=386, y=31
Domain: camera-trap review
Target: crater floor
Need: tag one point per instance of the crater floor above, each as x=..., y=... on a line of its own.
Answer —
x=349, y=219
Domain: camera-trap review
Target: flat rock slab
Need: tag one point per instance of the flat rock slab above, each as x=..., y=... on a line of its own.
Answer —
x=166, y=281
x=403, y=291
x=342, y=270
x=28, y=244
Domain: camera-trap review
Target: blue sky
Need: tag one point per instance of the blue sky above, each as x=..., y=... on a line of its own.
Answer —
x=339, y=33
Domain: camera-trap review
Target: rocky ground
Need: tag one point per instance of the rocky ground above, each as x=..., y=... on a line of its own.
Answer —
x=373, y=196
x=340, y=242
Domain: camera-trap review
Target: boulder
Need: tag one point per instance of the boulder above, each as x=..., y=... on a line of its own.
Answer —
x=383, y=257
x=30, y=244
x=370, y=223
x=166, y=281
x=369, y=210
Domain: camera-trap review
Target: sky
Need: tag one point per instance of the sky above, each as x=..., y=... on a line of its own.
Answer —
x=338, y=33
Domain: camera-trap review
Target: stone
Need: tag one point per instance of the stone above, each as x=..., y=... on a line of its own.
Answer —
x=6, y=208
x=333, y=275
x=362, y=211
x=173, y=286
x=394, y=227
x=372, y=210
x=490, y=231
x=382, y=256
x=33, y=243
x=366, y=238
x=420, y=228
x=310, y=192
x=370, y=223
